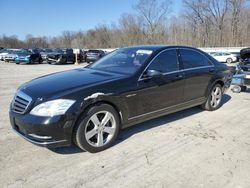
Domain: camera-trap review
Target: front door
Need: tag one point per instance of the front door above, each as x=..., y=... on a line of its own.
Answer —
x=154, y=94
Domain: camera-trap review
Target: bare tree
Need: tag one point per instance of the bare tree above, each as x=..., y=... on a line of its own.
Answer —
x=202, y=23
x=153, y=14
x=237, y=7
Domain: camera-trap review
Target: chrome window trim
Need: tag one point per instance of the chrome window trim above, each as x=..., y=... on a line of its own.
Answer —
x=199, y=53
x=140, y=77
x=180, y=70
x=210, y=66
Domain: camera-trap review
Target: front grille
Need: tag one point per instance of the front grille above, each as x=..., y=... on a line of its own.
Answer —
x=21, y=102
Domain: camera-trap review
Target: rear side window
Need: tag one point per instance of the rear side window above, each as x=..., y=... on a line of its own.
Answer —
x=165, y=62
x=193, y=59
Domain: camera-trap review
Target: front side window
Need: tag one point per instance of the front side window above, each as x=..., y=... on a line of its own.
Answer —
x=193, y=59
x=165, y=62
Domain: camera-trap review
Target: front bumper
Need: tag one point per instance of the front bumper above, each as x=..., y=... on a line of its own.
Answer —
x=91, y=58
x=22, y=60
x=43, y=131
x=9, y=59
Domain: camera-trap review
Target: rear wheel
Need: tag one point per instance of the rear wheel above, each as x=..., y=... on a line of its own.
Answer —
x=214, y=100
x=97, y=129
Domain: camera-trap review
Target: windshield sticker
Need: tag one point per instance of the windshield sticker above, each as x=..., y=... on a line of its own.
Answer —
x=148, y=52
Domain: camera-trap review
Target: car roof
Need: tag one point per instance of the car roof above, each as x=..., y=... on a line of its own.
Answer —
x=158, y=47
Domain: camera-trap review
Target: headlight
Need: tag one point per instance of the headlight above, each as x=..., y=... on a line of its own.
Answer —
x=28, y=56
x=52, y=108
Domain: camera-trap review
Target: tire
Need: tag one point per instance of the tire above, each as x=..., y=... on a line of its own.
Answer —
x=236, y=89
x=229, y=60
x=90, y=135
x=243, y=88
x=17, y=63
x=214, y=99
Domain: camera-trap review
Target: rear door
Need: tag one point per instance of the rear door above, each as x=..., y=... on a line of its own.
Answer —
x=198, y=71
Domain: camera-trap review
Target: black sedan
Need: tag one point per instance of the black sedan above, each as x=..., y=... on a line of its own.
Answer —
x=88, y=106
x=61, y=56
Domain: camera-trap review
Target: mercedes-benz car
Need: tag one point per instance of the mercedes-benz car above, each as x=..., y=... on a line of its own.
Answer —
x=89, y=106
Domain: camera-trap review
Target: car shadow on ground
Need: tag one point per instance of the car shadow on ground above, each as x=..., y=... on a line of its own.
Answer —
x=126, y=133
x=130, y=131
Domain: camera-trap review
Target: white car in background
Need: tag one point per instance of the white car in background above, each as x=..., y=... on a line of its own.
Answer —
x=224, y=57
x=3, y=53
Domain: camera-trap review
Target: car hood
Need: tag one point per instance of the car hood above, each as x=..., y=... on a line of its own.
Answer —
x=11, y=55
x=66, y=82
x=23, y=55
x=4, y=53
x=245, y=53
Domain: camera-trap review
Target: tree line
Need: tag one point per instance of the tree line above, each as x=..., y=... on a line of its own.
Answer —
x=202, y=23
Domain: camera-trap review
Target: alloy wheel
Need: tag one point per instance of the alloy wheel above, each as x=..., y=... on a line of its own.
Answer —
x=100, y=128
x=216, y=96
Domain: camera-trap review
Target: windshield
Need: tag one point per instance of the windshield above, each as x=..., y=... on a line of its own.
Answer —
x=126, y=61
x=47, y=50
x=23, y=52
x=57, y=50
x=94, y=51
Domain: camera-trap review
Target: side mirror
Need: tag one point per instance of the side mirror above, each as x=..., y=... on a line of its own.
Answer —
x=153, y=73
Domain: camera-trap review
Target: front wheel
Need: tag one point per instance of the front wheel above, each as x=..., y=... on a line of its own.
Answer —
x=98, y=128
x=214, y=100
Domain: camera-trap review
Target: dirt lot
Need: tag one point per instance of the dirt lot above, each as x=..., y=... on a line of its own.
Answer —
x=192, y=148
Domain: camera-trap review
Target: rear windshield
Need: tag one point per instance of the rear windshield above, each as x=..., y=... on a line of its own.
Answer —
x=93, y=51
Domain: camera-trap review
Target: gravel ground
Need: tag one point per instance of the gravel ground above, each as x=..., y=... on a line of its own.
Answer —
x=191, y=148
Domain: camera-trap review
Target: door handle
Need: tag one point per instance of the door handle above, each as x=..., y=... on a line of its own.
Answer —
x=211, y=70
x=179, y=76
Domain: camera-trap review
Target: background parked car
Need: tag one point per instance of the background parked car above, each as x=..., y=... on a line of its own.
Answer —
x=44, y=53
x=224, y=57
x=59, y=56
x=12, y=54
x=237, y=55
x=94, y=55
x=5, y=52
x=28, y=57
